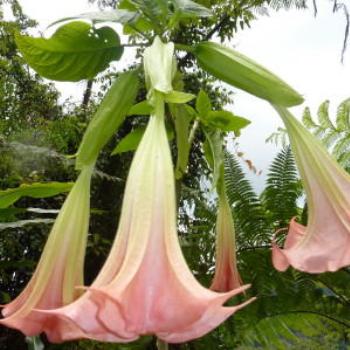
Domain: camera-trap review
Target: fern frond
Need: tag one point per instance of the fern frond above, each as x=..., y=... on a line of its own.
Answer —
x=292, y=330
x=343, y=116
x=342, y=146
x=307, y=119
x=249, y=215
x=282, y=190
x=323, y=116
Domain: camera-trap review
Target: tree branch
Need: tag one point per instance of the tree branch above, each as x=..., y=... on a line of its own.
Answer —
x=87, y=94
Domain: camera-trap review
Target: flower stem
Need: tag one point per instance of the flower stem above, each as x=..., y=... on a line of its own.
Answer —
x=162, y=345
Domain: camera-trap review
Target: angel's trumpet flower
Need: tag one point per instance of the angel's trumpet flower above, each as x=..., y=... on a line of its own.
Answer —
x=60, y=268
x=324, y=244
x=226, y=275
x=145, y=286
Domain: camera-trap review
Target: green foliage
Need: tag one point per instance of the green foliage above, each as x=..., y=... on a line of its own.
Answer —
x=249, y=213
x=335, y=135
x=226, y=121
x=76, y=51
x=34, y=190
x=119, y=16
x=280, y=296
x=293, y=330
x=282, y=189
x=18, y=84
x=130, y=141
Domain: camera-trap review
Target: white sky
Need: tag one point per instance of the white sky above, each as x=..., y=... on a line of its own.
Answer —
x=303, y=50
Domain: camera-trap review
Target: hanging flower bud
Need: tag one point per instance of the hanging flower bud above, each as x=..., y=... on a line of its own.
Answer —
x=324, y=244
x=226, y=275
x=240, y=71
x=160, y=66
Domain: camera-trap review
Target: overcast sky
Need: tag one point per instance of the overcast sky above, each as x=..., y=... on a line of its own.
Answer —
x=303, y=50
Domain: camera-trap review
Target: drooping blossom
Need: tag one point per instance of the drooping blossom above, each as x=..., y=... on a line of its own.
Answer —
x=324, y=244
x=61, y=265
x=226, y=275
x=145, y=286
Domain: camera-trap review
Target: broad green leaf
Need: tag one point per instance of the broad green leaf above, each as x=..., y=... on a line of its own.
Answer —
x=131, y=141
x=226, y=121
x=119, y=16
x=240, y=71
x=35, y=190
x=141, y=108
x=154, y=15
x=203, y=104
x=108, y=117
x=178, y=97
x=189, y=8
x=76, y=51
x=323, y=116
x=140, y=24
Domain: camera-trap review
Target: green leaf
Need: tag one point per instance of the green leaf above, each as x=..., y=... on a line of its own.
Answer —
x=188, y=8
x=203, y=104
x=76, y=51
x=108, y=117
x=119, y=16
x=131, y=141
x=178, y=97
x=226, y=121
x=35, y=190
x=141, y=108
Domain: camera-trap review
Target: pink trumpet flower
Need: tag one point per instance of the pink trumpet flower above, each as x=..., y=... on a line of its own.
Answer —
x=60, y=268
x=226, y=276
x=145, y=286
x=324, y=244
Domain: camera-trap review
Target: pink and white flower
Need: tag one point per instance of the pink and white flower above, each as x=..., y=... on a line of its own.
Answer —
x=324, y=244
